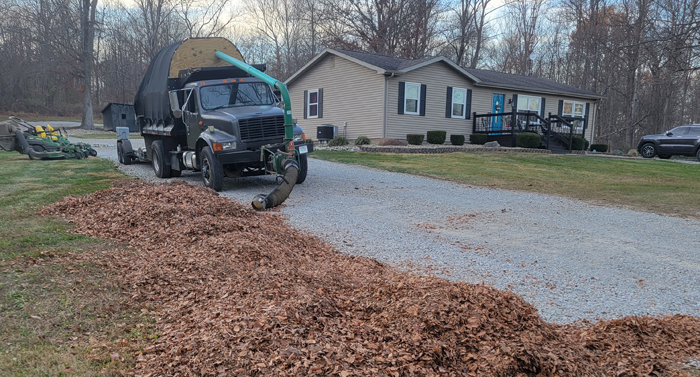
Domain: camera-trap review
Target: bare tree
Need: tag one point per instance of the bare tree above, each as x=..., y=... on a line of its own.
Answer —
x=465, y=33
x=204, y=18
x=88, y=9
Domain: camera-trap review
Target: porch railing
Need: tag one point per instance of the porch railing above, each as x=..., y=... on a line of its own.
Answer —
x=513, y=123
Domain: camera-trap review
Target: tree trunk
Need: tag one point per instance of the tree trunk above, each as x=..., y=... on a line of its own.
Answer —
x=87, y=28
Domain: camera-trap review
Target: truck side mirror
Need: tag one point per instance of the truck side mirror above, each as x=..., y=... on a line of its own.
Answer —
x=277, y=93
x=175, y=104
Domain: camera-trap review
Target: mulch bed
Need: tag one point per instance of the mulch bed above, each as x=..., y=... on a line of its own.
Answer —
x=242, y=293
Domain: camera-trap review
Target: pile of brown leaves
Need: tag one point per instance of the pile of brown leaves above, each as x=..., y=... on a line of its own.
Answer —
x=238, y=292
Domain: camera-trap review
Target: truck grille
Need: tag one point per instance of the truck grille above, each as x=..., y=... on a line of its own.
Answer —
x=262, y=128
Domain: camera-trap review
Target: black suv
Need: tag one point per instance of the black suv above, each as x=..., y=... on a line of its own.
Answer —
x=682, y=140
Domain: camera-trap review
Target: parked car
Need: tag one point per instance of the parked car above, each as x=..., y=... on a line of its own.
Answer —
x=680, y=141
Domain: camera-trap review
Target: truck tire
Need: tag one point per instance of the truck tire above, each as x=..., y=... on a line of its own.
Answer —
x=212, y=170
x=158, y=159
x=303, y=167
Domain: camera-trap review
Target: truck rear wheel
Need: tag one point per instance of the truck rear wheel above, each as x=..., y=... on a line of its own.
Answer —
x=212, y=170
x=303, y=167
x=158, y=159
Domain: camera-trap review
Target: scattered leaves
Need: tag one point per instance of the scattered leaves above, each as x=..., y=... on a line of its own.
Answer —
x=238, y=292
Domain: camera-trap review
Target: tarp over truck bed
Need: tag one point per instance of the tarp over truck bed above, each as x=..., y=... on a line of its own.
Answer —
x=152, y=102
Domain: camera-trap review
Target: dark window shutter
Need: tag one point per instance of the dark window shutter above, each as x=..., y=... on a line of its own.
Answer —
x=448, y=103
x=587, y=110
x=423, y=90
x=320, y=103
x=402, y=95
x=544, y=100
x=306, y=101
x=468, y=110
x=561, y=107
x=515, y=102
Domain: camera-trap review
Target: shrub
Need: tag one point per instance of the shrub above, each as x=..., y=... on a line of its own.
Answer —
x=479, y=139
x=338, y=141
x=457, y=139
x=389, y=142
x=362, y=140
x=578, y=143
x=414, y=139
x=309, y=141
x=527, y=140
x=599, y=147
x=436, y=137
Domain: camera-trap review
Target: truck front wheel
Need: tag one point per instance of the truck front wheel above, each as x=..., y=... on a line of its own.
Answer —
x=158, y=156
x=212, y=170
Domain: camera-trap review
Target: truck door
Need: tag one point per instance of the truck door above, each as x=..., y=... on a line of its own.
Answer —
x=190, y=116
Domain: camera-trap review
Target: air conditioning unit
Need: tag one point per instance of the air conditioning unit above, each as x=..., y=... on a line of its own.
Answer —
x=326, y=132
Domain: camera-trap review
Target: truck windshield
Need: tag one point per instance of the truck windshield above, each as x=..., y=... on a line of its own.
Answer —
x=236, y=94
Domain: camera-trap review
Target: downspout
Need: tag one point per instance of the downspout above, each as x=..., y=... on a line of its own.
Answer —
x=386, y=99
x=593, y=118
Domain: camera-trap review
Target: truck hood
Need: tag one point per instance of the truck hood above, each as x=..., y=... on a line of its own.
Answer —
x=242, y=112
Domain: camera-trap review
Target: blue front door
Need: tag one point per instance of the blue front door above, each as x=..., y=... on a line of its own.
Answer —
x=497, y=107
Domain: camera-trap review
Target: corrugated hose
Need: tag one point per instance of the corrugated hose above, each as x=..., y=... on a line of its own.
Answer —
x=282, y=191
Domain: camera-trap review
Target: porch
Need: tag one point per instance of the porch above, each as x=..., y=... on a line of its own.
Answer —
x=556, y=132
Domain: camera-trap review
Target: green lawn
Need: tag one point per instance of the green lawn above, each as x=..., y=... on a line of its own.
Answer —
x=649, y=185
x=59, y=315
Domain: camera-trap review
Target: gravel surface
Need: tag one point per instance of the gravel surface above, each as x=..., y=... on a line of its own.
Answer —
x=571, y=260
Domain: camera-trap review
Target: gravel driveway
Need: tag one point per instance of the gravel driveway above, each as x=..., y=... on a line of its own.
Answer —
x=570, y=259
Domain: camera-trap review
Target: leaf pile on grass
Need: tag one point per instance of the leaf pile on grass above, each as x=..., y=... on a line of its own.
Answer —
x=243, y=293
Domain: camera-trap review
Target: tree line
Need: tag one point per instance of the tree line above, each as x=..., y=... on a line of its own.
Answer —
x=69, y=57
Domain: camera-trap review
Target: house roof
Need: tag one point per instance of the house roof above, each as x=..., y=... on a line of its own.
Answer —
x=388, y=63
x=480, y=77
x=507, y=80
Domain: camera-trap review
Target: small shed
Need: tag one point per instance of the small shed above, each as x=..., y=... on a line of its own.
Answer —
x=119, y=115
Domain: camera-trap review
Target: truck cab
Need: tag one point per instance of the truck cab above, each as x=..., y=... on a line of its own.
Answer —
x=232, y=119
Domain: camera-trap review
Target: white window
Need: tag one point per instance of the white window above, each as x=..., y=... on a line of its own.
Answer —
x=459, y=102
x=312, y=104
x=411, y=98
x=573, y=109
x=529, y=103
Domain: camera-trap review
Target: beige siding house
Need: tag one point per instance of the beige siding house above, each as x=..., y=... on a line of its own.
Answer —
x=385, y=97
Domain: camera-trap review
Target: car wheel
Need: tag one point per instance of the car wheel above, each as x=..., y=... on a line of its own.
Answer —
x=648, y=150
x=303, y=167
x=158, y=159
x=212, y=170
x=697, y=154
x=664, y=156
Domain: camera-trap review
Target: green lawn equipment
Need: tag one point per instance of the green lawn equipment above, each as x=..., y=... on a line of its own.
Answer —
x=39, y=142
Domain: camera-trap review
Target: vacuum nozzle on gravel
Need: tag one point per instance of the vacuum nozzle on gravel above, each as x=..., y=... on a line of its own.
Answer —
x=282, y=191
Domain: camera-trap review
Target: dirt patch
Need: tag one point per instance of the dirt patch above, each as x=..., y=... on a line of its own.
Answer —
x=239, y=292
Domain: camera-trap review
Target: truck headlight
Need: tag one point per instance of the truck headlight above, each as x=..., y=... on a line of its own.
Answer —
x=229, y=145
x=300, y=137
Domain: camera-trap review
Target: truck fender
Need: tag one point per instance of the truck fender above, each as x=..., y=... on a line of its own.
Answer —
x=205, y=140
